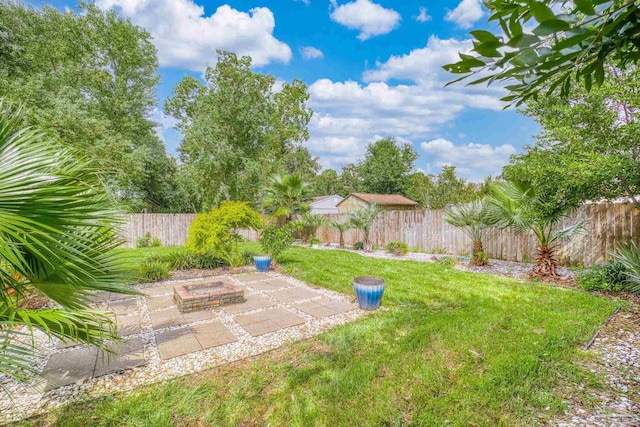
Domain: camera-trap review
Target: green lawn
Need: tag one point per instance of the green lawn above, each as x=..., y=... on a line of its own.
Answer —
x=451, y=348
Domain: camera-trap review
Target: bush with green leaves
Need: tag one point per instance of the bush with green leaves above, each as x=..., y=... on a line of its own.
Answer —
x=607, y=277
x=185, y=259
x=629, y=256
x=315, y=241
x=152, y=270
x=397, y=248
x=215, y=233
x=447, y=262
x=358, y=246
x=275, y=240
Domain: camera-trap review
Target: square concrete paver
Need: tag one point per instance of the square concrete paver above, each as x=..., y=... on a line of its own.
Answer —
x=122, y=307
x=213, y=334
x=177, y=342
x=127, y=354
x=324, y=307
x=113, y=296
x=294, y=294
x=270, y=285
x=197, y=316
x=158, y=290
x=268, y=321
x=161, y=301
x=252, y=302
x=69, y=367
x=165, y=318
x=251, y=277
x=128, y=325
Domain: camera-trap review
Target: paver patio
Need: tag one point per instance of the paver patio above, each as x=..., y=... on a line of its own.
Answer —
x=155, y=332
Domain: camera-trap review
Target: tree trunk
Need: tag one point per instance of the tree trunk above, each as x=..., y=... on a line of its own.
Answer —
x=341, y=240
x=478, y=258
x=368, y=247
x=546, y=262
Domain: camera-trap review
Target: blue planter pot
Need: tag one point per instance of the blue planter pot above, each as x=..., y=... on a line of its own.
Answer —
x=262, y=262
x=369, y=291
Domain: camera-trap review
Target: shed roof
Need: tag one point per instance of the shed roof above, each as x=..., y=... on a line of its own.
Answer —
x=382, y=199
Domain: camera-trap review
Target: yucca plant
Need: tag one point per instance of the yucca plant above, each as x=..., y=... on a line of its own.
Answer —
x=362, y=218
x=523, y=208
x=56, y=240
x=308, y=225
x=629, y=256
x=472, y=219
x=341, y=226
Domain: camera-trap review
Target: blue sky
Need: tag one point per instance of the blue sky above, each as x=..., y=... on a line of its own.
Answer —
x=373, y=68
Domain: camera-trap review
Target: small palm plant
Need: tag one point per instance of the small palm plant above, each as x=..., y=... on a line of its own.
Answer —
x=341, y=226
x=286, y=196
x=362, y=218
x=523, y=208
x=308, y=225
x=472, y=219
x=57, y=240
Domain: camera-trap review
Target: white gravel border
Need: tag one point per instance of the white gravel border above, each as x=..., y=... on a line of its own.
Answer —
x=26, y=400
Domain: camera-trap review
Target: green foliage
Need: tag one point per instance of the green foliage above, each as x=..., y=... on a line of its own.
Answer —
x=439, y=191
x=397, y=248
x=315, y=241
x=524, y=208
x=286, y=196
x=185, y=259
x=362, y=218
x=447, y=262
x=216, y=233
x=574, y=43
x=238, y=130
x=275, y=240
x=386, y=166
x=57, y=237
x=473, y=219
x=308, y=225
x=358, y=246
x=148, y=241
x=607, y=277
x=328, y=182
x=586, y=149
x=628, y=255
x=341, y=226
x=96, y=91
x=153, y=271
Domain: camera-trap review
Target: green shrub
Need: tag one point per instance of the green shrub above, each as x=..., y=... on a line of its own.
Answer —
x=315, y=241
x=144, y=241
x=184, y=259
x=447, y=262
x=628, y=255
x=247, y=257
x=482, y=258
x=358, y=246
x=397, y=248
x=607, y=277
x=152, y=271
x=214, y=234
x=275, y=240
x=156, y=243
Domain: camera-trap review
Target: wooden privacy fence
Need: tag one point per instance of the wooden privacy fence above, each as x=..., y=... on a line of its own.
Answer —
x=607, y=226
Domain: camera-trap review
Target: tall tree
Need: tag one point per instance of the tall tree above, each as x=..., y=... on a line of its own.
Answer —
x=328, y=182
x=589, y=144
x=237, y=129
x=439, y=191
x=570, y=41
x=91, y=78
x=386, y=167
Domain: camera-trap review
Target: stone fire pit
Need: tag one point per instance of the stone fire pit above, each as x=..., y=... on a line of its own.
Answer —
x=202, y=295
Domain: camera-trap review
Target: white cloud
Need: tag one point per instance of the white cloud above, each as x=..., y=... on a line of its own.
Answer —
x=423, y=16
x=310, y=52
x=350, y=114
x=472, y=161
x=371, y=19
x=466, y=13
x=186, y=38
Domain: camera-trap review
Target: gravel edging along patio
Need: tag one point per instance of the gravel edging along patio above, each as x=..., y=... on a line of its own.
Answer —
x=278, y=309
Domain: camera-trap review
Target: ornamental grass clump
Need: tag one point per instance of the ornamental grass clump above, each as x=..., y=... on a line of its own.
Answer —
x=472, y=219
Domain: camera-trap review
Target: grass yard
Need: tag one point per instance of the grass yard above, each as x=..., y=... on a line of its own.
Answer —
x=451, y=348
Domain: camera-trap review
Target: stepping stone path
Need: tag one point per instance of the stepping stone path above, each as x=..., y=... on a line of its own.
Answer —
x=159, y=342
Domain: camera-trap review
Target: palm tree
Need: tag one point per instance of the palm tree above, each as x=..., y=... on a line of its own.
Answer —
x=311, y=223
x=361, y=218
x=472, y=219
x=341, y=226
x=56, y=239
x=523, y=208
x=286, y=196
